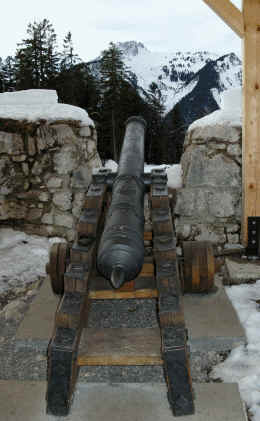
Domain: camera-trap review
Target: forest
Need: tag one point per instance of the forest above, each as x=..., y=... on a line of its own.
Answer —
x=105, y=88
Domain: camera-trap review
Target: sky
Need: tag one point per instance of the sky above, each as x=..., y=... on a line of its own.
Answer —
x=164, y=25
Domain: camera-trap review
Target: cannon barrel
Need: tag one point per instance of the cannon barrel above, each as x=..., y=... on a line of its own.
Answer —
x=121, y=250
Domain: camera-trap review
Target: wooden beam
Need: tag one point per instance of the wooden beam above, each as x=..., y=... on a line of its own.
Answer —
x=251, y=106
x=229, y=13
x=120, y=346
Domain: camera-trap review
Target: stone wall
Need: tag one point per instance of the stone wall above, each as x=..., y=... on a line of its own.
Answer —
x=45, y=169
x=209, y=204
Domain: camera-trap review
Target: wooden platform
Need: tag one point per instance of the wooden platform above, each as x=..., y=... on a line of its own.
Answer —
x=121, y=346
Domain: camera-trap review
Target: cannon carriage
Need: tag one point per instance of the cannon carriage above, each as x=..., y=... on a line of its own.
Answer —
x=107, y=260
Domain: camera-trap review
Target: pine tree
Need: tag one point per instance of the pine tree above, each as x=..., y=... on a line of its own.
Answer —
x=71, y=80
x=113, y=76
x=36, y=57
x=8, y=72
x=68, y=57
x=2, y=85
x=155, y=105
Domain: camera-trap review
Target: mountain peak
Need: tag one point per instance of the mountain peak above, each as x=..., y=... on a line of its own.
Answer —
x=131, y=48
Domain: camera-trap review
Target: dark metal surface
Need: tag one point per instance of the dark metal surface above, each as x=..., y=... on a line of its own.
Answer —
x=121, y=249
x=253, y=247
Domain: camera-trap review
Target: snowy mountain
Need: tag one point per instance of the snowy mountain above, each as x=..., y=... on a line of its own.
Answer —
x=191, y=84
x=176, y=74
x=202, y=97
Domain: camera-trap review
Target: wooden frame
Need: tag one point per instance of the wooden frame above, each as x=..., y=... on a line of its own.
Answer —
x=229, y=13
x=247, y=26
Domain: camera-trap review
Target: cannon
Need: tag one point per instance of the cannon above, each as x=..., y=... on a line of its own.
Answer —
x=121, y=249
x=108, y=260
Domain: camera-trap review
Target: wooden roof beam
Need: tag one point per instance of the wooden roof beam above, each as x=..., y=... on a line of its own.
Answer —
x=229, y=13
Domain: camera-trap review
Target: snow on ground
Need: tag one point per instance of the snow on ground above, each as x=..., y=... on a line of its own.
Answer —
x=229, y=114
x=40, y=104
x=243, y=364
x=174, y=172
x=23, y=257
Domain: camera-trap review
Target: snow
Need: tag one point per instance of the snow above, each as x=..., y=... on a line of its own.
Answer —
x=40, y=104
x=230, y=113
x=174, y=72
x=29, y=97
x=243, y=364
x=23, y=256
x=174, y=172
x=111, y=165
x=148, y=67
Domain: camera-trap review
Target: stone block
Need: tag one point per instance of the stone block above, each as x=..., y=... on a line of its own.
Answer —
x=48, y=218
x=234, y=150
x=183, y=230
x=94, y=162
x=232, y=228
x=79, y=199
x=11, y=143
x=64, y=134
x=240, y=270
x=25, y=168
x=85, y=131
x=7, y=173
x=44, y=196
x=63, y=200
x=233, y=238
x=45, y=137
x=81, y=177
x=33, y=214
x=192, y=203
x=219, y=132
x=12, y=210
x=91, y=149
x=19, y=158
x=211, y=233
x=41, y=165
x=63, y=219
x=31, y=146
x=222, y=203
x=66, y=160
x=54, y=182
x=216, y=171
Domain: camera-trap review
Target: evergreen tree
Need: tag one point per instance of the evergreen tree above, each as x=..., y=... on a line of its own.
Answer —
x=36, y=57
x=68, y=57
x=113, y=76
x=71, y=80
x=8, y=72
x=155, y=107
x=77, y=86
x=2, y=86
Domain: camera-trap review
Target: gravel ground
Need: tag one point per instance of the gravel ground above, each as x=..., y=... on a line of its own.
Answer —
x=27, y=360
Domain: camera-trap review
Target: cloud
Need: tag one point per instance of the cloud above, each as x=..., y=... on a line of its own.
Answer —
x=166, y=24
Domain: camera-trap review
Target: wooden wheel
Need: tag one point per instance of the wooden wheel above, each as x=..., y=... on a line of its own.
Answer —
x=198, y=266
x=57, y=266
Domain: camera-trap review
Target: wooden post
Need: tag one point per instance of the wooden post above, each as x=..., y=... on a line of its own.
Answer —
x=251, y=103
x=247, y=26
x=229, y=13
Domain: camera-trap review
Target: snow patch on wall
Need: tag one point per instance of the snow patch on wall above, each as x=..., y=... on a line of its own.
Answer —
x=230, y=113
x=40, y=104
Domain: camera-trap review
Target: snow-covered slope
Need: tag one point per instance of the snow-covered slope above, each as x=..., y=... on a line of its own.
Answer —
x=176, y=74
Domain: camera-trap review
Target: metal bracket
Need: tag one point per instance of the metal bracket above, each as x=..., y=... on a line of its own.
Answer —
x=106, y=176
x=253, y=247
